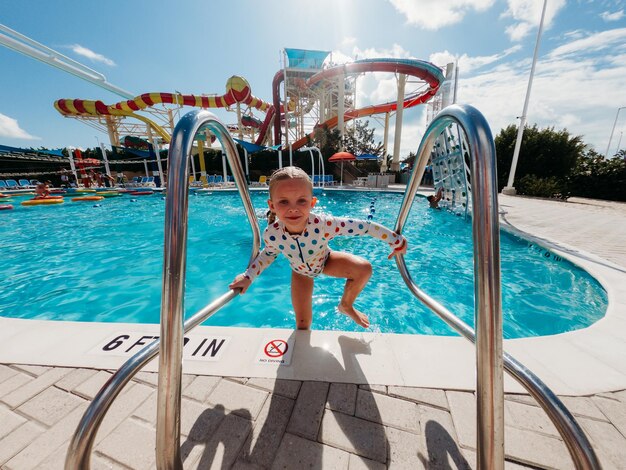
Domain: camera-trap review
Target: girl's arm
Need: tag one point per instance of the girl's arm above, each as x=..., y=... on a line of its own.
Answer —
x=266, y=257
x=257, y=266
x=357, y=227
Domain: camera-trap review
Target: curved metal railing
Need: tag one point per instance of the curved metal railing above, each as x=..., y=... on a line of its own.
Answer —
x=171, y=339
x=490, y=358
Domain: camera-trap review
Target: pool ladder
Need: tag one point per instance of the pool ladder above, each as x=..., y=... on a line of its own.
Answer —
x=490, y=358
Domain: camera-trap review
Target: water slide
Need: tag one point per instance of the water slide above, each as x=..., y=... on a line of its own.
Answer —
x=426, y=71
x=237, y=91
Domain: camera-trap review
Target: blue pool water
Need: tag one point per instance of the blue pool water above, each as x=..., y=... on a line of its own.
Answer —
x=79, y=262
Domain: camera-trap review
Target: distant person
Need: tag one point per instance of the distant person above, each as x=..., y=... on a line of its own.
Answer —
x=65, y=179
x=42, y=191
x=433, y=201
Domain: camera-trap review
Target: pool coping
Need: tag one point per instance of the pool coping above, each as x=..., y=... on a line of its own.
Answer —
x=581, y=362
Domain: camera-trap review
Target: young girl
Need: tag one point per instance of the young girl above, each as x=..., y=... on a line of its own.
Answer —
x=303, y=237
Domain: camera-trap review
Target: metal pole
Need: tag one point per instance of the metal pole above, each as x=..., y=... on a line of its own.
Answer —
x=245, y=157
x=157, y=151
x=312, y=166
x=70, y=154
x=488, y=303
x=509, y=189
x=606, y=154
x=27, y=46
x=104, y=158
x=290, y=155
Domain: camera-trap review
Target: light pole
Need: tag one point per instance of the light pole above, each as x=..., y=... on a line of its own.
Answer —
x=606, y=154
x=509, y=189
x=619, y=142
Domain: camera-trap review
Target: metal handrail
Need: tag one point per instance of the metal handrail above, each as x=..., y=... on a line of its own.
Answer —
x=81, y=445
x=485, y=229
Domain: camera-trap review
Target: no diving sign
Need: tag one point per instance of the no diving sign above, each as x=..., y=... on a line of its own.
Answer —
x=276, y=350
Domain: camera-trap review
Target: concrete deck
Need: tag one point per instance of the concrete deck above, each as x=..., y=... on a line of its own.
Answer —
x=252, y=422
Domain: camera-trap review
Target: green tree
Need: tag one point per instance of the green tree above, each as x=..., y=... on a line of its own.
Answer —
x=598, y=178
x=327, y=140
x=359, y=139
x=545, y=154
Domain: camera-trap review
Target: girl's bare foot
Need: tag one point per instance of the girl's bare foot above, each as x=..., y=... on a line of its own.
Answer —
x=359, y=317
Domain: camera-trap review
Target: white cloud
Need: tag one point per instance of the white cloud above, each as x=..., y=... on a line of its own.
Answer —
x=91, y=55
x=613, y=39
x=618, y=15
x=468, y=64
x=10, y=128
x=527, y=16
x=578, y=94
x=348, y=42
x=435, y=14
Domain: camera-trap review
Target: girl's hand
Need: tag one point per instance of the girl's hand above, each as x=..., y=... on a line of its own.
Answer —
x=401, y=250
x=240, y=282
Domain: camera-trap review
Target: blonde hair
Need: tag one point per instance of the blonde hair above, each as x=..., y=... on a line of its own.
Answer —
x=282, y=174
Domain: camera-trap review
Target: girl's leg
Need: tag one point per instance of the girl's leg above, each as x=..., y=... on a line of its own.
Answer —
x=302, y=299
x=357, y=272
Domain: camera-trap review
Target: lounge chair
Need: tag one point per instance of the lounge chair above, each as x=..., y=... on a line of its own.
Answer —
x=34, y=183
x=12, y=184
x=3, y=185
x=24, y=184
x=210, y=180
x=219, y=181
x=263, y=180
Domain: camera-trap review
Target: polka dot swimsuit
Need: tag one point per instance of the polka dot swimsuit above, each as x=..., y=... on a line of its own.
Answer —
x=307, y=252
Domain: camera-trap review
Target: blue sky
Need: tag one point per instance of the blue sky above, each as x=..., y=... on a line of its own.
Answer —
x=195, y=46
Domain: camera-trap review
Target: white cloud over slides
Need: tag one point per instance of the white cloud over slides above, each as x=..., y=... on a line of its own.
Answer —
x=527, y=15
x=10, y=128
x=91, y=55
x=435, y=14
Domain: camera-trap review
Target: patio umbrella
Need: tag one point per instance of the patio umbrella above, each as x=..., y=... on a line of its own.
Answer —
x=367, y=156
x=341, y=157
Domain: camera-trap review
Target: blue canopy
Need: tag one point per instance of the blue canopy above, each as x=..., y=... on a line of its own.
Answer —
x=17, y=150
x=306, y=59
x=367, y=156
x=253, y=148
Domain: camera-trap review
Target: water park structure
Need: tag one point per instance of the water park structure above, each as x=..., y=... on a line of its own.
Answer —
x=315, y=92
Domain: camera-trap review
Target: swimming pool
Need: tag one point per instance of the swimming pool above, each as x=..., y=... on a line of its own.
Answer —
x=83, y=263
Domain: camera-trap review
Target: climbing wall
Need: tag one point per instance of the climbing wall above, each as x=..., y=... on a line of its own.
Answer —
x=451, y=170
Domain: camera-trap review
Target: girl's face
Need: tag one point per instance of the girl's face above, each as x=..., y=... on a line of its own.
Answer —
x=292, y=200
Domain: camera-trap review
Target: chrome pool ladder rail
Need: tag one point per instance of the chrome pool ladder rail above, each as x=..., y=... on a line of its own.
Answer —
x=168, y=417
x=490, y=357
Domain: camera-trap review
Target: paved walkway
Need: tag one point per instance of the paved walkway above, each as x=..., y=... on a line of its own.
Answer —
x=252, y=423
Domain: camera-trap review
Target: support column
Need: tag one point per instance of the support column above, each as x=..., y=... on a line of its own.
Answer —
x=105, y=159
x=340, y=106
x=395, y=163
x=202, y=163
x=383, y=166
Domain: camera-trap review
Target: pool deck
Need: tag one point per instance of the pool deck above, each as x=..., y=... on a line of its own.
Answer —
x=338, y=400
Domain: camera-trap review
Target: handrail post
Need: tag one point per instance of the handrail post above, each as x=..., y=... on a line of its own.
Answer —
x=174, y=264
x=488, y=304
x=487, y=296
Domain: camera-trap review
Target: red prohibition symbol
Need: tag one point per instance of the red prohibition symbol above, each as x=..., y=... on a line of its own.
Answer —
x=276, y=348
